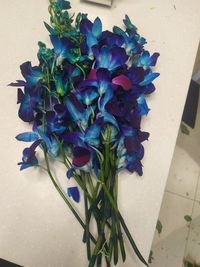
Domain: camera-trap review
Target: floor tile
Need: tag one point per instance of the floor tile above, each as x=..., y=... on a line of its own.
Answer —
x=168, y=247
x=193, y=244
x=172, y=213
x=179, y=238
x=170, y=250
x=183, y=175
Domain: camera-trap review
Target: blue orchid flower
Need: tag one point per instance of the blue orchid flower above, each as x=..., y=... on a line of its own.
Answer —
x=62, y=4
x=132, y=43
x=91, y=89
x=146, y=61
x=31, y=74
x=63, y=49
x=90, y=137
x=129, y=25
x=77, y=111
x=130, y=151
x=109, y=58
x=30, y=101
x=111, y=39
x=51, y=144
x=103, y=112
x=62, y=86
x=92, y=32
x=25, y=112
x=29, y=159
x=54, y=123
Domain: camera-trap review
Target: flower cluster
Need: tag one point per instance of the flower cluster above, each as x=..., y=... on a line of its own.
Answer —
x=86, y=97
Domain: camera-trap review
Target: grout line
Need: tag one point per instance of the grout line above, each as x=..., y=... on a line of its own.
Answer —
x=189, y=230
x=179, y=195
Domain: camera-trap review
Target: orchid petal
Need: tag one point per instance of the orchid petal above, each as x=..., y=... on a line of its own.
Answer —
x=123, y=81
x=27, y=137
x=135, y=166
x=149, y=78
x=28, y=165
x=97, y=27
x=131, y=144
x=74, y=193
x=142, y=106
x=143, y=136
x=128, y=23
x=70, y=173
x=72, y=137
x=92, y=75
x=25, y=111
x=81, y=156
x=20, y=96
x=93, y=132
x=18, y=83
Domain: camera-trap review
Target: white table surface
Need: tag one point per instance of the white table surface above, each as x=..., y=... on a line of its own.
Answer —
x=36, y=229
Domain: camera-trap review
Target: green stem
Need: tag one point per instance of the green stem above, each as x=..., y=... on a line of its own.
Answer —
x=98, y=246
x=92, y=189
x=82, y=70
x=87, y=222
x=113, y=203
x=130, y=238
x=118, y=226
x=49, y=87
x=64, y=196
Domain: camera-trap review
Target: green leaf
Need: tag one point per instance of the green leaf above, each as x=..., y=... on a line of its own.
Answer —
x=159, y=226
x=184, y=129
x=151, y=258
x=188, y=218
x=188, y=264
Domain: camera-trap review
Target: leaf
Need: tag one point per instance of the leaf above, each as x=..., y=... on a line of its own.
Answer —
x=159, y=227
x=184, y=129
x=188, y=218
x=188, y=264
x=151, y=258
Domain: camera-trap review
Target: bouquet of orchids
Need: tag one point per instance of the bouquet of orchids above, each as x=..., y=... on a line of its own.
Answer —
x=85, y=101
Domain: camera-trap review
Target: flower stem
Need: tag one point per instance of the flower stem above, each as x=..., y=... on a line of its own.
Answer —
x=113, y=203
x=130, y=238
x=64, y=196
x=82, y=70
x=98, y=246
x=87, y=222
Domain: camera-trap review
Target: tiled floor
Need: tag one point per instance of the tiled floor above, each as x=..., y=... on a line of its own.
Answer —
x=180, y=238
